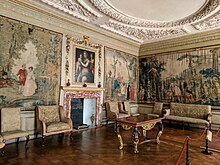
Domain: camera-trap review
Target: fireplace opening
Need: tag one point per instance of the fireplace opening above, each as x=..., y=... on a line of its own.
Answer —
x=83, y=112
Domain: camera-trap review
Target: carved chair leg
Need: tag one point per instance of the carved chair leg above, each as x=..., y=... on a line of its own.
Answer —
x=43, y=140
x=3, y=151
x=36, y=133
x=17, y=142
x=27, y=140
x=106, y=123
x=71, y=135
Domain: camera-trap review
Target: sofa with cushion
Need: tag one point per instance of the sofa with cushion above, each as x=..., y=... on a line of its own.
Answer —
x=190, y=113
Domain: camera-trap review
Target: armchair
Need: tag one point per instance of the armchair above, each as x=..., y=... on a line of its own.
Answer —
x=157, y=110
x=115, y=110
x=11, y=125
x=51, y=120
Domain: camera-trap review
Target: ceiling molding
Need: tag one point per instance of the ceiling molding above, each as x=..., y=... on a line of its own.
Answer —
x=198, y=40
x=102, y=14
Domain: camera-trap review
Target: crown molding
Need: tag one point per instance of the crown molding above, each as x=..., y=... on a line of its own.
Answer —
x=197, y=40
x=36, y=14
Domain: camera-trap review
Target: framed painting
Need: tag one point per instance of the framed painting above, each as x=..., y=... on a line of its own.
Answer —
x=30, y=59
x=84, y=63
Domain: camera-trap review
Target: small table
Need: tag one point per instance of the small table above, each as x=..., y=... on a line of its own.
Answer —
x=140, y=125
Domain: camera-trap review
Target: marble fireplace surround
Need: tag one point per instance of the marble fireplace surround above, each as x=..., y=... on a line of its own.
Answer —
x=83, y=92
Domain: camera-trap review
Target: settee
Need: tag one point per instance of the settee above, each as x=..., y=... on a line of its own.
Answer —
x=190, y=113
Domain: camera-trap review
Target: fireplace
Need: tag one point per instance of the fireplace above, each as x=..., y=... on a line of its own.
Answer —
x=83, y=112
x=86, y=93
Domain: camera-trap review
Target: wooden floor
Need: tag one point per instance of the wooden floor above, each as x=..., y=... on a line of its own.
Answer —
x=100, y=147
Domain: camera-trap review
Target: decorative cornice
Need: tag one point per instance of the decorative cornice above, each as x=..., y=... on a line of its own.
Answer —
x=207, y=38
x=105, y=8
x=72, y=7
x=141, y=34
x=211, y=22
x=71, y=88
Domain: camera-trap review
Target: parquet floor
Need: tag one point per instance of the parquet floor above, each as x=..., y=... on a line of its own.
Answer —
x=100, y=147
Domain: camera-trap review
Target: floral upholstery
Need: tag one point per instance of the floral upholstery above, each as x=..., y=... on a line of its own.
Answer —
x=191, y=113
x=11, y=124
x=157, y=109
x=51, y=120
x=112, y=110
x=51, y=114
x=11, y=119
x=52, y=127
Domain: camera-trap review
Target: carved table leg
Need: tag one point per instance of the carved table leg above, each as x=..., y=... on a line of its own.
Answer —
x=119, y=136
x=159, y=132
x=135, y=139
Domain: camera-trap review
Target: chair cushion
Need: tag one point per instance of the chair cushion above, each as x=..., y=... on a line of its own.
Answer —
x=153, y=115
x=121, y=115
x=10, y=119
x=187, y=119
x=57, y=126
x=50, y=113
x=14, y=134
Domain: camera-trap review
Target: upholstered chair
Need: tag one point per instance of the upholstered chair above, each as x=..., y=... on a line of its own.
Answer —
x=127, y=107
x=115, y=110
x=51, y=120
x=157, y=110
x=11, y=125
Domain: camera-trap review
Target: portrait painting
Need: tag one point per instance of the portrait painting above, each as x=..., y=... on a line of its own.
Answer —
x=84, y=65
x=120, y=75
x=30, y=59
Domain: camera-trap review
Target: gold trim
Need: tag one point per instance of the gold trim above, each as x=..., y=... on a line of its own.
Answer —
x=74, y=64
x=126, y=127
x=85, y=42
x=81, y=88
x=68, y=39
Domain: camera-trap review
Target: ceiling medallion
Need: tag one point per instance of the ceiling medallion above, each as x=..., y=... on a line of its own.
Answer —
x=105, y=8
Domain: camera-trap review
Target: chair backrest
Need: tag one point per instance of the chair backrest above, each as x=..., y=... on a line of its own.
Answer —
x=10, y=119
x=112, y=106
x=127, y=106
x=157, y=109
x=49, y=114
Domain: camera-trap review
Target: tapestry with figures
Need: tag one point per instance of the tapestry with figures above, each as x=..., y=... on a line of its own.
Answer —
x=187, y=77
x=30, y=60
x=120, y=75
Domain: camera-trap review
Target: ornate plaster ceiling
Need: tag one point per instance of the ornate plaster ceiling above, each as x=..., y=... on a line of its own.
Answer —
x=144, y=20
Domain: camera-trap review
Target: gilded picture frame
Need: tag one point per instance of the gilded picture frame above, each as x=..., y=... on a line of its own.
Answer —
x=84, y=65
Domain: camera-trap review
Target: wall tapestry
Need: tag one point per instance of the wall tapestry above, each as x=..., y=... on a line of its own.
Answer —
x=120, y=75
x=29, y=64
x=189, y=77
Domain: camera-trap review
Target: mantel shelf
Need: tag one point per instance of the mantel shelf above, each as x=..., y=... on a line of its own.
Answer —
x=71, y=88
